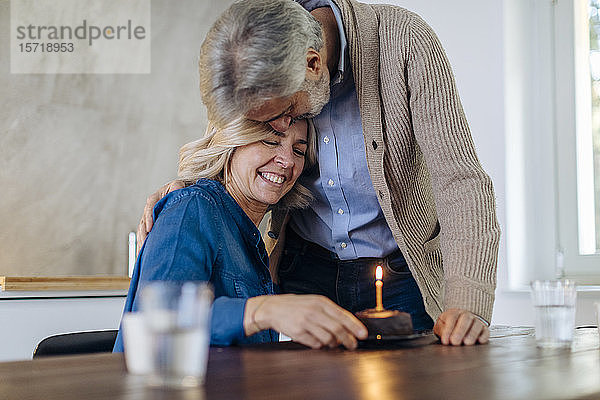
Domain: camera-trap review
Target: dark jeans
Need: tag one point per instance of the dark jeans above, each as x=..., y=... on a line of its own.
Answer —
x=308, y=268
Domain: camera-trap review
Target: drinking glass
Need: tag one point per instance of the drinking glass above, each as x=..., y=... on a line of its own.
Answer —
x=554, y=303
x=136, y=342
x=177, y=316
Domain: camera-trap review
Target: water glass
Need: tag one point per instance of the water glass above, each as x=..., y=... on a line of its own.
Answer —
x=178, y=319
x=136, y=342
x=554, y=303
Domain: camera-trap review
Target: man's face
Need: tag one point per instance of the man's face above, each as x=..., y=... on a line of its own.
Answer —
x=281, y=112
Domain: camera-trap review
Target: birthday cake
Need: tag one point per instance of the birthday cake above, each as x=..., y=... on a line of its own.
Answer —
x=386, y=322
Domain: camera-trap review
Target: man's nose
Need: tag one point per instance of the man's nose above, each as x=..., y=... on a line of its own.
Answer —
x=281, y=124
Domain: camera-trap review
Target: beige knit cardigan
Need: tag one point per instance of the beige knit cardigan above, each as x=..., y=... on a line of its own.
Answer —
x=437, y=199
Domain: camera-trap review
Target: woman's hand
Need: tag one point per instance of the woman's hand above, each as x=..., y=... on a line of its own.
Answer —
x=312, y=320
x=147, y=221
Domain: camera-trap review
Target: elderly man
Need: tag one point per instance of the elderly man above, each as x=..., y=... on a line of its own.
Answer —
x=398, y=182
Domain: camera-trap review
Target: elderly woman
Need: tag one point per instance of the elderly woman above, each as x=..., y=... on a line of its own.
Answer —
x=209, y=232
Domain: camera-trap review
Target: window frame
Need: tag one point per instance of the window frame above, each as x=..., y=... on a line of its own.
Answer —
x=574, y=148
x=542, y=212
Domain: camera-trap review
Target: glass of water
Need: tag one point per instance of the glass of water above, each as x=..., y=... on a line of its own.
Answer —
x=554, y=303
x=177, y=316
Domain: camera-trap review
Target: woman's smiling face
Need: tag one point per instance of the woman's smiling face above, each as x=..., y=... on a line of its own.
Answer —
x=261, y=173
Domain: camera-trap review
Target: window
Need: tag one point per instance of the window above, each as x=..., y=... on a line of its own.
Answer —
x=590, y=232
x=577, y=133
x=552, y=73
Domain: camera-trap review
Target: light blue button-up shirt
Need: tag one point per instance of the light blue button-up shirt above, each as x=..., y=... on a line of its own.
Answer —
x=346, y=217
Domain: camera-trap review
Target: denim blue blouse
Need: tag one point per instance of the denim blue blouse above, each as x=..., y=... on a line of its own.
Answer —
x=201, y=234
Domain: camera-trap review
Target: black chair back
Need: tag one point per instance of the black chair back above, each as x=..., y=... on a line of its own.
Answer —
x=76, y=343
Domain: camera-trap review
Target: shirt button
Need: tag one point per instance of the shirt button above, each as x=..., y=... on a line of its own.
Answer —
x=343, y=245
x=326, y=139
x=340, y=211
x=330, y=182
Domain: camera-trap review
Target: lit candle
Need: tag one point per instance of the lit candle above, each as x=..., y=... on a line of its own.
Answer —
x=379, y=288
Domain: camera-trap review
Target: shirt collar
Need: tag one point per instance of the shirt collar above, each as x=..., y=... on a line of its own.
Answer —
x=250, y=232
x=310, y=5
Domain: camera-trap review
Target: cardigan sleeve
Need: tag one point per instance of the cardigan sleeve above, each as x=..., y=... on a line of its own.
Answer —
x=183, y=246
x=463, y=192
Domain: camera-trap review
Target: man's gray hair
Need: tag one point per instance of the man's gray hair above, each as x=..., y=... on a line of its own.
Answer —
x=254, y=52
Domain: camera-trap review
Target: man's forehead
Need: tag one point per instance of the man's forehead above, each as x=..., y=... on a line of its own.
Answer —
x=299, y=130
x=270, y=109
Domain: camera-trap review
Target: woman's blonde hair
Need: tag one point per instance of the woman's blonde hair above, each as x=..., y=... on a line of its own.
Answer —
x=209, y=157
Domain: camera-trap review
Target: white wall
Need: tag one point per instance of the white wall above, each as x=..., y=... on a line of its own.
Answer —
x=26, y=321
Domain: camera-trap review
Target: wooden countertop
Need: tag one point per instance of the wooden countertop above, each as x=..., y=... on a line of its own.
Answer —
x=63, y=283
x=509, y=367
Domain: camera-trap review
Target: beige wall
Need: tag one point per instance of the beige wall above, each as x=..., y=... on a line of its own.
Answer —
x=80, y=153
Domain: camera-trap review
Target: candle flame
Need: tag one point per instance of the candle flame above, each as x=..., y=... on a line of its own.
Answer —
x=378, y=272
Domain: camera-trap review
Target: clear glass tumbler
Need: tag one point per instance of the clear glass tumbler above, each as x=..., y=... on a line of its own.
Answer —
x=554, y=303
x=178, y=320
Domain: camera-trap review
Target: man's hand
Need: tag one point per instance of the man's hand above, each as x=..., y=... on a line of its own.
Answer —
x=456, y=327
x=147, y=222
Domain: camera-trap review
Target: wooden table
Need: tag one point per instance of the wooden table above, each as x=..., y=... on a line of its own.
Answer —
x=509, y=367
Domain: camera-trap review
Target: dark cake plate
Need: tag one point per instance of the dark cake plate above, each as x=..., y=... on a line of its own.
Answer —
x=416, y=339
